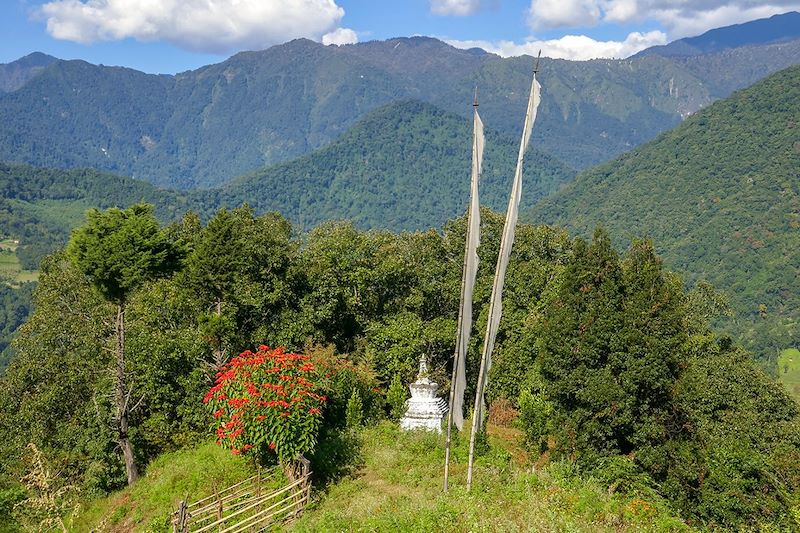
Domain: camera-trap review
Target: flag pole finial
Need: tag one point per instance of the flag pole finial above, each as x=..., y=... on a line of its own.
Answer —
x=536, y=65
x=475, y=101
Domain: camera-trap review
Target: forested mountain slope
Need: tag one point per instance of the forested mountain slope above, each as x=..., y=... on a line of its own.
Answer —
x=204, y=127
x=403, y=167
x=720, y=195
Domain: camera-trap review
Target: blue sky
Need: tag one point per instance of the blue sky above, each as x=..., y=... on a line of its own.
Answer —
x=168, y=36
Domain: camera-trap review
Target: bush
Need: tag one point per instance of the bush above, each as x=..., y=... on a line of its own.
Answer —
x=267, y=401
x=502, y=413
x=396, y=398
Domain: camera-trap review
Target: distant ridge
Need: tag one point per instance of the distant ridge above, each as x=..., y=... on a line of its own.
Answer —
x=17, y=73
x=775, y=29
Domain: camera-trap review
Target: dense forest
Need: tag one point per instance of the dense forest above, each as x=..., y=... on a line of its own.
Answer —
x=402, y=167
x=611, y=363
x=720, y=196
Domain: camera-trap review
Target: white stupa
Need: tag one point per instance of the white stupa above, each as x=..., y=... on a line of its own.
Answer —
x=424, y=410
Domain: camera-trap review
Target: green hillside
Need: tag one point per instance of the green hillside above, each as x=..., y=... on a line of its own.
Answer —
x=40, y=206
x=203, y=128
x=404, y=166
x=720, y=195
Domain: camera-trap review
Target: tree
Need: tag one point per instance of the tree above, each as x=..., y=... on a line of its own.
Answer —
x=237, y=270
x=118, y=250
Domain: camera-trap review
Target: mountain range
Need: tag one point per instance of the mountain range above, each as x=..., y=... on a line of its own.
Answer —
x=772, y=30
x=206, y=127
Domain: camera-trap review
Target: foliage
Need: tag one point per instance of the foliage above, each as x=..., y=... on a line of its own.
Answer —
x=47, y=502
x=354, y=415
x=267, y=400
x=119, y=249
x=535, y=418
x=66, y=417
x=743, y=463
x=639, y=393
x=15, y=307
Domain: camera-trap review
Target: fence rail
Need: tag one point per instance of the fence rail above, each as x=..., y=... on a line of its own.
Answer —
x=247, y=506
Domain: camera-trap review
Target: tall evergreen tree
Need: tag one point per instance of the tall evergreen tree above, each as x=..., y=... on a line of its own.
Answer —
x=118, y=250
x=237, y=268
x=579, y=342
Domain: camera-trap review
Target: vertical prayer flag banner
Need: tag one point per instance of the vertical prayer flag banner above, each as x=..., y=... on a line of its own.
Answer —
x=469, y=275
x=496, y=304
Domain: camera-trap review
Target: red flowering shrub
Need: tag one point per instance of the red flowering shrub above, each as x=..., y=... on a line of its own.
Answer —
x=267, y=399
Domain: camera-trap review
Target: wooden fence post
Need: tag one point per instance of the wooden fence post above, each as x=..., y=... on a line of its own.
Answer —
x=180, y=518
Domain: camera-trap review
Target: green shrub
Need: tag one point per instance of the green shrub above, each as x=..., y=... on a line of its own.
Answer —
x=354, y=416
x=396, y=398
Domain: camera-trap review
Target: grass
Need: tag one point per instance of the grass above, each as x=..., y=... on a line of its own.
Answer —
x=789, y=371
x=147, y=505
x=63, y=213
x=399, y=488
x=10, y=268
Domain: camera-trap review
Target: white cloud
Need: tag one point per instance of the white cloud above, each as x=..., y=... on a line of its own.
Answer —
x=619, y=10
x=459, y=8
x=563, y=13
x=340, y=36
x=217, y=26
x=681, y=18
x=575, y=47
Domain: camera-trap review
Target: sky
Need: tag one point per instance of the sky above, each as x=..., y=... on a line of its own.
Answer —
x=169, y=36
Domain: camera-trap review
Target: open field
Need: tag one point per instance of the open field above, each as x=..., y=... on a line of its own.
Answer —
x=789, y=370
x=11, y=270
